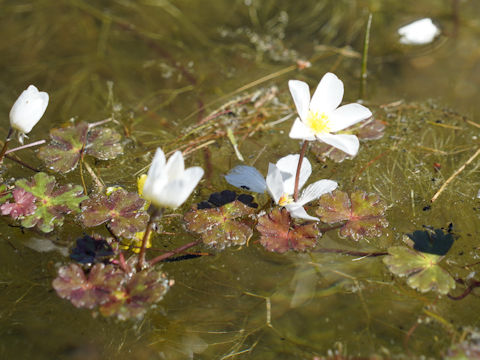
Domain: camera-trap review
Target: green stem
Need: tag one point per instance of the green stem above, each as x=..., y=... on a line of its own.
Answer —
x=363, y=86
x=299, y=166
x=157, y=213
x=5, y=145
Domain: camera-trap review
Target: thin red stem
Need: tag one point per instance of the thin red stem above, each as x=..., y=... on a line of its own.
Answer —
x=299, y=166
x=5, y=145
x=39, y=142
x=174, y=252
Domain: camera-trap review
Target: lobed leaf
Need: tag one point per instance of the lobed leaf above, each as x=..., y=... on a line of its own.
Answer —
x=421, y=269
x=88, y=292
x=364, y=213
x=280, y=234
x=104, y=143
x=222, y=226
x=124, y=212
x=52, y=202
x=90, y=250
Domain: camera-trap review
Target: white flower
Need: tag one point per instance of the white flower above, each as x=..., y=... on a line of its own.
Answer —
x=168, y=184
x=320, y=116
x=28, y=110
x=280, y=183
x=419, y=32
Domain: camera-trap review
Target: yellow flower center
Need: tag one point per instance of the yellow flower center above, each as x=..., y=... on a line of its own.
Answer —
x=285, y=199
x=319, y=123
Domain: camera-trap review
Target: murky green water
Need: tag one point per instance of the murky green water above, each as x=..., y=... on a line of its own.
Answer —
x=159, y=67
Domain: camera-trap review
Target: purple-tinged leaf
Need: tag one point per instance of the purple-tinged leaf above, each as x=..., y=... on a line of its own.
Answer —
x=364, y=213
x=222, y=226
x=280, y=234
x=88, y=291
x=104, y=143
x=121, y=209
x=24, y=204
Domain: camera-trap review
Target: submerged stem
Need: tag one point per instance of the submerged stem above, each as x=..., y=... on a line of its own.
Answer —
x=5, y=145
x=157, y=213
x=299, y=166
x=173, y=252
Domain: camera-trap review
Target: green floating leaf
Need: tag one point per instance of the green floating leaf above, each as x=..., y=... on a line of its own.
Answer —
x=370, y=129
x=64, y=152
x=88, y=292
x=280, y=234
x=144, y=289
x=52, y=202
x=363, y=213
x=421, y=269
x=121, y=209
x=222, y=226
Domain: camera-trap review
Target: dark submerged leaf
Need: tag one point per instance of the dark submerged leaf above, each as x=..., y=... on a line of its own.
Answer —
x=90, y=250
x=434, y=241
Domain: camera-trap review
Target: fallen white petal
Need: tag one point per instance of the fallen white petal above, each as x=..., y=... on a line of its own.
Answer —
x=419, y=32
x=246, y=177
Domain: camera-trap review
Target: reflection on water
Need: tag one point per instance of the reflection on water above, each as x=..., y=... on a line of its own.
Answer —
x=158, y=67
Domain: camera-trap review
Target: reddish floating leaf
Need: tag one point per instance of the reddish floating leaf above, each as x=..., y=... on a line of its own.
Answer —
x=280, y=234
x=363, y=213
x=121, y=209
x=88, y=292
x=144, y=289
x=104, y=143
x=222, y=226
x=24, y=204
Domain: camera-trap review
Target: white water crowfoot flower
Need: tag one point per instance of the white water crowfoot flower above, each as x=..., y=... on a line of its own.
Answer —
x=320, y=117
x=168, y=183
x=280, y=183
x=27, y=110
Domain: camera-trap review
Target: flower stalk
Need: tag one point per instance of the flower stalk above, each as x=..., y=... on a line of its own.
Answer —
x=5, y=145
x=299, y=166
x=156, y=214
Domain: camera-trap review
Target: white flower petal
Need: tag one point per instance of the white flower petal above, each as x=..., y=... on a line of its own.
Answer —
x=301, y=97
x=328, y=95
x=301, y=131
x=288, y=168
x=347, y=115
x=297, y=211
x=315, y=190
x=274, y=183
x=154, y=176
x=344, y=142
x=175, y=166
x=418, y=32
x=246, y=177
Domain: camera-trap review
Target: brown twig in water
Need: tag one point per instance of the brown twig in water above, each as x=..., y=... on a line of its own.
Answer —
x=454, y=175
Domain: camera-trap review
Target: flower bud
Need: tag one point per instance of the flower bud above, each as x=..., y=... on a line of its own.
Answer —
x=28, y=109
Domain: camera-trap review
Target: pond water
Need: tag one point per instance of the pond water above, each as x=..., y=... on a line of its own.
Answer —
x=160, y=68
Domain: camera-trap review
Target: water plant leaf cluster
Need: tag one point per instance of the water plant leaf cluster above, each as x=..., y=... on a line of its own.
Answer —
x=52, y=202
x=123, y=212
x=69, y=143
x=222, y=226
x=111, y=290
x=364, y=214
x=280, y=234
x=422, y=270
